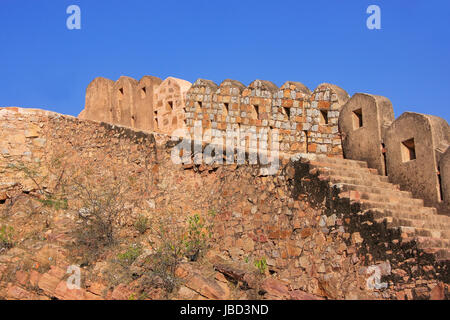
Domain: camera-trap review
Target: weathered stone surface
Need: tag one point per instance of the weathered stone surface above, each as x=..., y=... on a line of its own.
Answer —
x=444, y=171
x=149, y=104
x=121, y=292
x=275, y=289
x=18, y=293
x=210, y=289
x=99, y=100
x=317, y=234
x=62, y=292
x=411, y=143
x=363, y=121
x=50, y=280
x=169, y=104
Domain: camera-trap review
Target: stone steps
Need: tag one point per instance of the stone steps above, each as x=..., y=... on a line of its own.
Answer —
x=397, y=208
x=374, y=190
x=428, y=242
x=355, y=181
x=433, y=217
x=349, y=173
x=421, y=224
x=392, y=197
x=330, y=160
x=439, y=253
x=356, y=166
x=420, y=232
x=369, y=204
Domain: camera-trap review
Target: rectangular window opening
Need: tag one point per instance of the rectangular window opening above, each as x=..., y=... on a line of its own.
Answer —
x=408, y=150
x=198, y=106
x=287, y=111
x=323, y=117
x=143, y=92
x=155, y=113
x=255, y=111
x=357, y=119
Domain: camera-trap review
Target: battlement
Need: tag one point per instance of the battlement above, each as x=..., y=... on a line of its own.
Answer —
x=305, y=121
x=411, y=150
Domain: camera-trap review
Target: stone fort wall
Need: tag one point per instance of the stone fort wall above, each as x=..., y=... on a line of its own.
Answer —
x=305, y=121
x=410, y=150
x=313, y=239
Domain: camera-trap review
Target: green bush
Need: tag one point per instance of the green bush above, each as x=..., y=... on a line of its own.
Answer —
x=129, y=256
x=142, y=224
x=6, y=237
x=261, y=265
x=56, y=204
x=176, y=240
x=198, y=233
x=196, y=238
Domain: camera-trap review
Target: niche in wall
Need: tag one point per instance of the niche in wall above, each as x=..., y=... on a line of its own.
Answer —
x=357, y=119
x=408, y=150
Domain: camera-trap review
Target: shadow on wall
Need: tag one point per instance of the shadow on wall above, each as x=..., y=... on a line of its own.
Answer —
x=412, y=150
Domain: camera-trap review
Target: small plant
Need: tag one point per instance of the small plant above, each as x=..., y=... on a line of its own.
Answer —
x=100, y=202
x=196, y=239
x=132, y=297
x=169, y=249
x=6, y=238
x=176, y=239
x=57, y=204
x=142, y=224
x=141, y=296
x=212, y=213
x=261, y=265
x=129, y=256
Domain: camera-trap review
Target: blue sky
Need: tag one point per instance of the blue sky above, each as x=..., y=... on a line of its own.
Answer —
x=45, y=65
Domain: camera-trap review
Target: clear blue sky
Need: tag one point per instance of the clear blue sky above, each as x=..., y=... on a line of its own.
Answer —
x=45, y=65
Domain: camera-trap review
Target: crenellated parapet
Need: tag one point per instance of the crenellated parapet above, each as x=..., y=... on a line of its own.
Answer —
x=304, y=121
x=169, y=105
x=149, y=104
x=322, y=115
x=98, y=100
x=411, y=150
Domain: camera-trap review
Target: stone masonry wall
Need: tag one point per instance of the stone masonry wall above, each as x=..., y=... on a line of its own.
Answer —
x=305, y=121
x=149, y=104
x=407, y=149
x=311, y=239
x=35, y=136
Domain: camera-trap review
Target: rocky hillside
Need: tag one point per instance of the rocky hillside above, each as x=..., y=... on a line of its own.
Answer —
x=110, y=201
